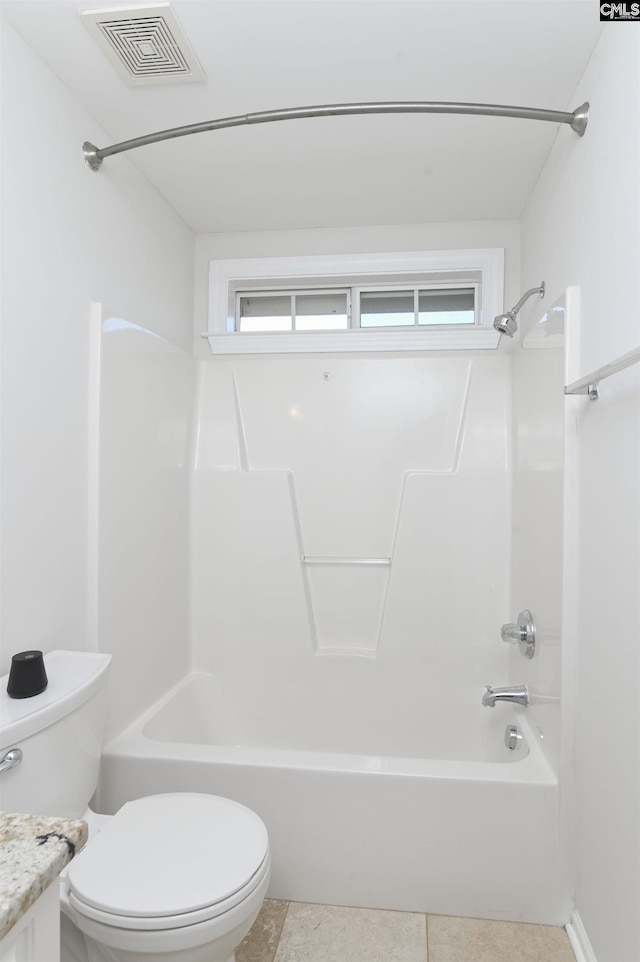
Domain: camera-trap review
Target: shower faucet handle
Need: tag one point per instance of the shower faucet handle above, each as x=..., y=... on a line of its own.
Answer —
x=522, y=634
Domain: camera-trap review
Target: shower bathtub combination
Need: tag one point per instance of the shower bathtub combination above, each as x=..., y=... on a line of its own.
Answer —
x=350, y=566
x=462, y=827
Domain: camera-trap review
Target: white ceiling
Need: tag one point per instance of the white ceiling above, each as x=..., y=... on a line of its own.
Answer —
x=268, y=54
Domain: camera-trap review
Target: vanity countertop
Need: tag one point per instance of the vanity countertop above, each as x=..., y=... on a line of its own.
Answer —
x=34, y=849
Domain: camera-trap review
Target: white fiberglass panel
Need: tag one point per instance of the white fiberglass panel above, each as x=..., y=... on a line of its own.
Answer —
x=146, y=386
x=347, y=430
x=347, y=603
x=352, y=506
x=538, y=508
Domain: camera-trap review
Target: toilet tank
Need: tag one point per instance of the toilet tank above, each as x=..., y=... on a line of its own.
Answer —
x=60, y=735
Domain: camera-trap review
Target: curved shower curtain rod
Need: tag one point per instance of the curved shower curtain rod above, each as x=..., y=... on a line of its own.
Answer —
x=577, y=120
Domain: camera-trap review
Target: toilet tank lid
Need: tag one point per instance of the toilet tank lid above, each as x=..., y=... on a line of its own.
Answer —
x=74, y=676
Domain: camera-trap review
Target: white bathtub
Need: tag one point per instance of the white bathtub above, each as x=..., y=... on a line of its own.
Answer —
x=443, y=819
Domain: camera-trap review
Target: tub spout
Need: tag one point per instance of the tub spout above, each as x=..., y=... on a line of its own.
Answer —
x=518, y=694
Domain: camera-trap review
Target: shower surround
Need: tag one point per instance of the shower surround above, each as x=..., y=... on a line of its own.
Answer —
x=352, y=509
x=350, y=556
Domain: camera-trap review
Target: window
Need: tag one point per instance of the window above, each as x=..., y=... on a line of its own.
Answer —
x=376, y=302
x=439, y=306
x=292, y=311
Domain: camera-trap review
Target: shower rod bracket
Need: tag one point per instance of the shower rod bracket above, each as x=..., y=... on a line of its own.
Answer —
x=580, y=119
x=91, y=157
x=588, y=386
x=577, y=120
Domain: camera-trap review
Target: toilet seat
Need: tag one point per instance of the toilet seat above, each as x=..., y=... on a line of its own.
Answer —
x=158, y=922
x=169, y=861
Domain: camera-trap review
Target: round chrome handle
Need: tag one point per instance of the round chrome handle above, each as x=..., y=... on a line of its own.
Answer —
x=12, y=758
x=512, y=633
x=523, y=634
x=512, y=737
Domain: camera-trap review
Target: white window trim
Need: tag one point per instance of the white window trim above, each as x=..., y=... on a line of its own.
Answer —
x=330, y=270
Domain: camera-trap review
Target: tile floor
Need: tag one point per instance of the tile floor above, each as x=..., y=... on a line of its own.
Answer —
x=297, y=932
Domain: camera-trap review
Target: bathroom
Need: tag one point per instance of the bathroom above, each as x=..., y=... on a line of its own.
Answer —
x=124, y=431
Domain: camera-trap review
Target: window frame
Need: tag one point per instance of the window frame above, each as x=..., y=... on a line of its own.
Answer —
x=482, y=269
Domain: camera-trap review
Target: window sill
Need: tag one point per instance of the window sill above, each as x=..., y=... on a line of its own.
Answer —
x=353, y=341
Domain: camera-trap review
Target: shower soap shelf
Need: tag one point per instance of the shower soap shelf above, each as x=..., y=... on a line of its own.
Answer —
x=325, y=560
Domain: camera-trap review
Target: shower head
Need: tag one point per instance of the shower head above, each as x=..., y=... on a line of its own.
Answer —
x=506, y=323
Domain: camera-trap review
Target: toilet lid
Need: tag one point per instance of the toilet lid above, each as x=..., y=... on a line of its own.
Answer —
x=169, y=855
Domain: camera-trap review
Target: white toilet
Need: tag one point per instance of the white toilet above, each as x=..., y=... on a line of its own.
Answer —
x=178, y=877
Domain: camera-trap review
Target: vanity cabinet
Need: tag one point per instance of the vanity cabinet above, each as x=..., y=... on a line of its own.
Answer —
x=36, y=935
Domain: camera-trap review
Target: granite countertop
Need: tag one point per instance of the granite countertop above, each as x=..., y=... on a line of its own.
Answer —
x=34, y=849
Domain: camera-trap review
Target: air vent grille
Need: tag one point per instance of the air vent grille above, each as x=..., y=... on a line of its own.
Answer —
x=145, y=44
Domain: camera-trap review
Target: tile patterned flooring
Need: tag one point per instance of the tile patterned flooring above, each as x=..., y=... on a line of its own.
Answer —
x=298, y=932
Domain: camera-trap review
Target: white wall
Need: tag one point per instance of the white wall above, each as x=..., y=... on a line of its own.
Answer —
x=70, y=237
x=582, y=227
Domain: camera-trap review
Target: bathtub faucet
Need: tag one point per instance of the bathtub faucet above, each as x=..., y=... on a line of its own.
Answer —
x=519, y=694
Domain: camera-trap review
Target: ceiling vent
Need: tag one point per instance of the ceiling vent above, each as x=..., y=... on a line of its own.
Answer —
x=145, y=44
